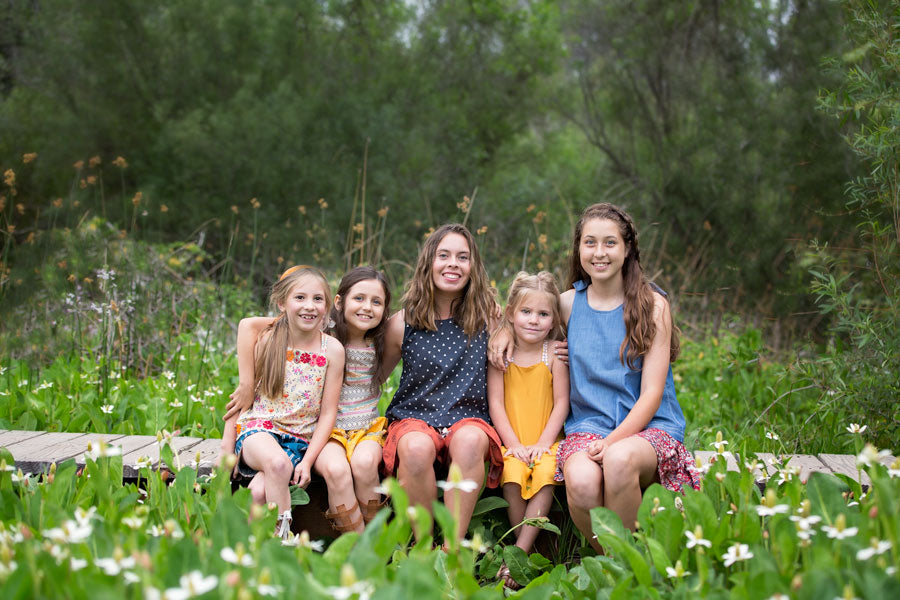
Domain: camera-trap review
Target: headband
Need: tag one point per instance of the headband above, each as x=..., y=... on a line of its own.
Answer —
x=294, y=269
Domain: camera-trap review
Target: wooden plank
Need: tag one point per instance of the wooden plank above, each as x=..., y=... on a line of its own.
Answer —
x=846, y=464
x=708, y=456
x=151, y=450
x=207, y=452
x=35, y=454
x=9, y=437
x=805, y=462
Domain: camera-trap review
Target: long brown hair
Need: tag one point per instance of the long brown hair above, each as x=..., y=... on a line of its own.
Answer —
x=640, y=328
x=377, y=333
x=472, y=311
x=273, y=349
x=524, y=284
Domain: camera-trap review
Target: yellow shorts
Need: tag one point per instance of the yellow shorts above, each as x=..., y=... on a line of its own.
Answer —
x=530, y=478
x=351, y=439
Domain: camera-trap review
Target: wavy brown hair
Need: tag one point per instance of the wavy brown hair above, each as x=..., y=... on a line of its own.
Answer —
x=471, y=311
x=523, y=285
x=377, y=333
x=274, y=339
x=640, y=328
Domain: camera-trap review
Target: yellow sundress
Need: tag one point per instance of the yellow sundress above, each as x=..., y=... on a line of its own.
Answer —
x=528, y=400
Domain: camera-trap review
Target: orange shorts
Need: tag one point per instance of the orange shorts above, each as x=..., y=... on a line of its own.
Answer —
x=441, y=439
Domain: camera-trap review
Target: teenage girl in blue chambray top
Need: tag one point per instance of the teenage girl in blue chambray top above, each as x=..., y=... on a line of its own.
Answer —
x=625, y=429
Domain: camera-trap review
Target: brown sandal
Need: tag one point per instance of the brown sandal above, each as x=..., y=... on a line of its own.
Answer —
x=340, y=518
x=508, y=581
x=371, y=508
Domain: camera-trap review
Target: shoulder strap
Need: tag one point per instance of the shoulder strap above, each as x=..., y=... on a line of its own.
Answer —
x=324, y=341
x=545, y=355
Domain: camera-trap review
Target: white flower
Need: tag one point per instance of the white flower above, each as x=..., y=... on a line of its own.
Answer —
x=856, y=428
x=114, y=565
x=6, y=467
x=875, y=548
x=870, y=455
x=107, y=409
x=176, y=404
x=894, y=469
x=156, y=531
x=772, y=435
x=465, y=485
x=69, y=532
x=84, y=516
x=100, y=449
x=44, y=385
x=236, y=557
x=779, y=597
x=192, y=584
x=170, y=376
x=736, y=553
x=302, y=540
x=840, y=530
x=130, y=577
x=695, y=538
x=719, y=445
x=363, y=590
x=133, y=522
x=76, y=564
x=143, y=462
x=268, y=590
x=766, y=511
x=7, y=568
x=476, y=544
x=804, y=525
x=678, y=572
x=196, y=399
x=19, y=476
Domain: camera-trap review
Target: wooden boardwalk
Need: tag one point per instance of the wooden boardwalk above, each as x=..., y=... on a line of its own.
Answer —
x=35, y=451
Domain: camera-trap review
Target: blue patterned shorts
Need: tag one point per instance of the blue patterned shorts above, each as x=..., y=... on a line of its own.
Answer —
x=293, y=446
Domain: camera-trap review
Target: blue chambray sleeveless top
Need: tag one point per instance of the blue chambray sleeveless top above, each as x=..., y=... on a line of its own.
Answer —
x=602, y=389
x=444, y=377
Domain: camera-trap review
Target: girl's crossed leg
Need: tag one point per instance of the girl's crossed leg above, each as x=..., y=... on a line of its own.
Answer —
x=344, y=510
x=262, y=452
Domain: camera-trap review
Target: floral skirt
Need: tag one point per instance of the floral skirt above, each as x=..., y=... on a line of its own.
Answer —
x=675, y=465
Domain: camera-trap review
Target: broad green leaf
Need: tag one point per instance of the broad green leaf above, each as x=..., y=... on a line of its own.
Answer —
x=517, y=562
x=489, y=503
x=298, y=496
x=824, y=493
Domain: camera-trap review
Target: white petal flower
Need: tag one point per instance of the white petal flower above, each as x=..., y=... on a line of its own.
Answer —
x=193, y=584
x=130, y=577
x=100, y=449
x=840, y=533
x=856, y=428
x=238, y=557
x=113, y=565
x=466, y=485
x=143, y=462
x=766, y=511
x=772, y=435
x=134, y=522
x=737, y=553
x=83, y=517
x=695, y=539
x=70, y=532
x=870, y=455
x=678, y=572
x=875, y=548
x=76, y=564
x=176, y=403
x=107, y=409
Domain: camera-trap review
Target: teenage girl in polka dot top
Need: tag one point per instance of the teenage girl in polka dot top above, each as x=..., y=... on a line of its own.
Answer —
x=439, y=415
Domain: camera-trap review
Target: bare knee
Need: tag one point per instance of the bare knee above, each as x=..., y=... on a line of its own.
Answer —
x=364, y=465
x=416, y=453
x=257, y=487
x=468, y=446
x=583, y=486
x=278, y=467
x=620, y=468
x=335, y=471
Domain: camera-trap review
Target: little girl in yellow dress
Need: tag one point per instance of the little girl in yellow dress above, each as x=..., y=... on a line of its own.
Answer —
x=529, y=402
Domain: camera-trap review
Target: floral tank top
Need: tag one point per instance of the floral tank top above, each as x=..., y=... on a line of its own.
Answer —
x=297, y=411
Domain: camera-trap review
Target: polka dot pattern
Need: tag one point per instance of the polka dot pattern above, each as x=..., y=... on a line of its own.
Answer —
x=444, y=376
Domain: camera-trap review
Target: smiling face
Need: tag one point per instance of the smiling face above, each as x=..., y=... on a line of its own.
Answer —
x=306, y=304
x=532, y=318
x=363, y=305
x=452, y=265
x=602, y=250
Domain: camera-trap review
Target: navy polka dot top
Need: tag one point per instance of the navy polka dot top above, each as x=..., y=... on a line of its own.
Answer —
x=444, y=377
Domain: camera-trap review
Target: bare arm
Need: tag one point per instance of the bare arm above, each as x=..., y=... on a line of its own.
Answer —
x=560, y=411
x=249, y=330
x=334, y=379
x=393, y=343
x=653, y=380
x=497, y=409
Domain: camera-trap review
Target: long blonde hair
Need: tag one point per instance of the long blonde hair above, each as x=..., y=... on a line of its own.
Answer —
x=640, y=328
x=472, y=311
x=524, y=284
x=275, y=338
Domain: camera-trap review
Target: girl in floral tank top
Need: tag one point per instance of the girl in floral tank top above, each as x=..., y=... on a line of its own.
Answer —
x=297, y=378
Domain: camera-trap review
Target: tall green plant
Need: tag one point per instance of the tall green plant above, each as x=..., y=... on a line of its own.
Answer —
x=860, y=290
